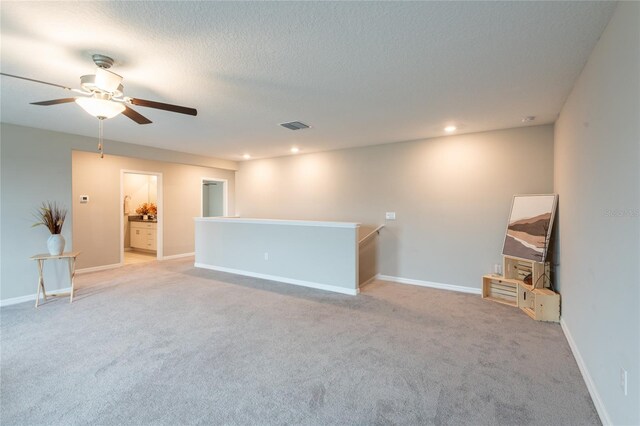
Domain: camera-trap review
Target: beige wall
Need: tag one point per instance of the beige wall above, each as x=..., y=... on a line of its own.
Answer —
x=96, y=224
x=35, y=165
x=451, y=195
x=597, y=151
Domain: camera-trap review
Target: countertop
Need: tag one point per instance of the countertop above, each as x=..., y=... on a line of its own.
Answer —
x=140, y=219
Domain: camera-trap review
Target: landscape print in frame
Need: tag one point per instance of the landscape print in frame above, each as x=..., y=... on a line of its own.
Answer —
x=529, y=228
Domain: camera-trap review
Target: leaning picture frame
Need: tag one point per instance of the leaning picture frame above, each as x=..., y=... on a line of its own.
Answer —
x=529, y=227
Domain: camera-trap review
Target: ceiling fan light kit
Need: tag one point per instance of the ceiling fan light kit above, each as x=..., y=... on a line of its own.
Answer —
x=100, y=108
x=102, y=96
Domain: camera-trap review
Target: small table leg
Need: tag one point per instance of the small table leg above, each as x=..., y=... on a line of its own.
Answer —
x=72, y=273
x=40, y=283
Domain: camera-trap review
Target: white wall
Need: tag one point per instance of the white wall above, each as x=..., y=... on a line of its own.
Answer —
x=597, y=163
x=30, y=174
x=451, y=195
x=293, y=252
x=35, y=166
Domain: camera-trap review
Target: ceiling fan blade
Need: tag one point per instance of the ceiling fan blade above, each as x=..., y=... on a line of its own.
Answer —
x=54, y=102
x=135, y=116
x=166, y=107
x=36, y=81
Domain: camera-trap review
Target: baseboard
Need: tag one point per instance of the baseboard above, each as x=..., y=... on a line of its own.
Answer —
x=98, y=268
x=30, y=297
x=430, y=284
x=178, y=256
x=593, y=391
x=285, y=280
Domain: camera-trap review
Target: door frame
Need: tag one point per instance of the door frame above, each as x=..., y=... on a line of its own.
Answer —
x=159, y=216
x=225, y=194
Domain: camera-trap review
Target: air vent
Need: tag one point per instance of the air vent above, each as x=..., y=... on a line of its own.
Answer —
x=295, y=125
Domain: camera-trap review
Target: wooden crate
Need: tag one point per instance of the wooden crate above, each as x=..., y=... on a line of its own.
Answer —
x=541, y=304
x=499, y=289
x=517, y=269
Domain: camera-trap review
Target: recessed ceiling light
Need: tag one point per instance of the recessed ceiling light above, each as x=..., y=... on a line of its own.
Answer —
x=528, y=118
x=450, y=129
x=246, y=156
x=295, y=150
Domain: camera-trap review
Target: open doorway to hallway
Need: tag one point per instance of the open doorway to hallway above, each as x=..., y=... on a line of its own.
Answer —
x=214, y=197
x=141, y=236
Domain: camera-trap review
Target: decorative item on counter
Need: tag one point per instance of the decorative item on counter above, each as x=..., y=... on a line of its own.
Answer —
x=146, y=210
x=52, y=216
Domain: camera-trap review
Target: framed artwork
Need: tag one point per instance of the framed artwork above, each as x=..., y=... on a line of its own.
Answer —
x=530, y=225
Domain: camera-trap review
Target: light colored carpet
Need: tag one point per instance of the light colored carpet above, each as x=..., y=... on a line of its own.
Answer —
x=164, y=343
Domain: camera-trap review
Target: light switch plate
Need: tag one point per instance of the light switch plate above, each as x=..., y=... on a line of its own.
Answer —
x=390, y=215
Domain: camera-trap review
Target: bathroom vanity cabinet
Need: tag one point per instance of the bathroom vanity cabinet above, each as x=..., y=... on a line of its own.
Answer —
x=143, y=235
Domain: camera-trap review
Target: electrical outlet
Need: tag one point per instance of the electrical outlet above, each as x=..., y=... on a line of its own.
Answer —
x=266, y=256
x=497, y=269
x=623, y=380
x=390, y=216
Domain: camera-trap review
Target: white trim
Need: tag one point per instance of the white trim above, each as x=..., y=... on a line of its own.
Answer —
x=30, y=297
x=178, y=256
x=591, y=387
x=430, y=284
x=159, y=216
x=98, y=268
x=278, y=222
x=225, y=194
x=293, y=281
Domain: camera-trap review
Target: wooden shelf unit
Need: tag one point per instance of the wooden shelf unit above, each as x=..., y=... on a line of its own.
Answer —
x=517, y=269
x=500, y=289
x=536, y=300
x=541, y=304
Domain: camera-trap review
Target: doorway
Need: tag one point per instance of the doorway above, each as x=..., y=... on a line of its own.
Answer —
x=141, y=216
x=214, y=197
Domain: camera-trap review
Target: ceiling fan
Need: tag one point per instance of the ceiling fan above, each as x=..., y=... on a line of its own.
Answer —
x=102, y=95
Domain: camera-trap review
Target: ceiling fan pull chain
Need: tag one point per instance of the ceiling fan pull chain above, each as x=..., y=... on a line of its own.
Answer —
x=100, y=136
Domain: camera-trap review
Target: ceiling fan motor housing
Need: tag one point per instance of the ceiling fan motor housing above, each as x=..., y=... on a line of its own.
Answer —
x=102, y=61
x=88, y=83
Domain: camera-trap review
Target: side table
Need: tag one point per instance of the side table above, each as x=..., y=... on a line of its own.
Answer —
x=70, y=257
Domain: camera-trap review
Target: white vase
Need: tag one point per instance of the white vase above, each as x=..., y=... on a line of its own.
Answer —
x=55, y=244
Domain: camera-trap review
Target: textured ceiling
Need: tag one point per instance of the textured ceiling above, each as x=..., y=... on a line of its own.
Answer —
x=360, y=73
